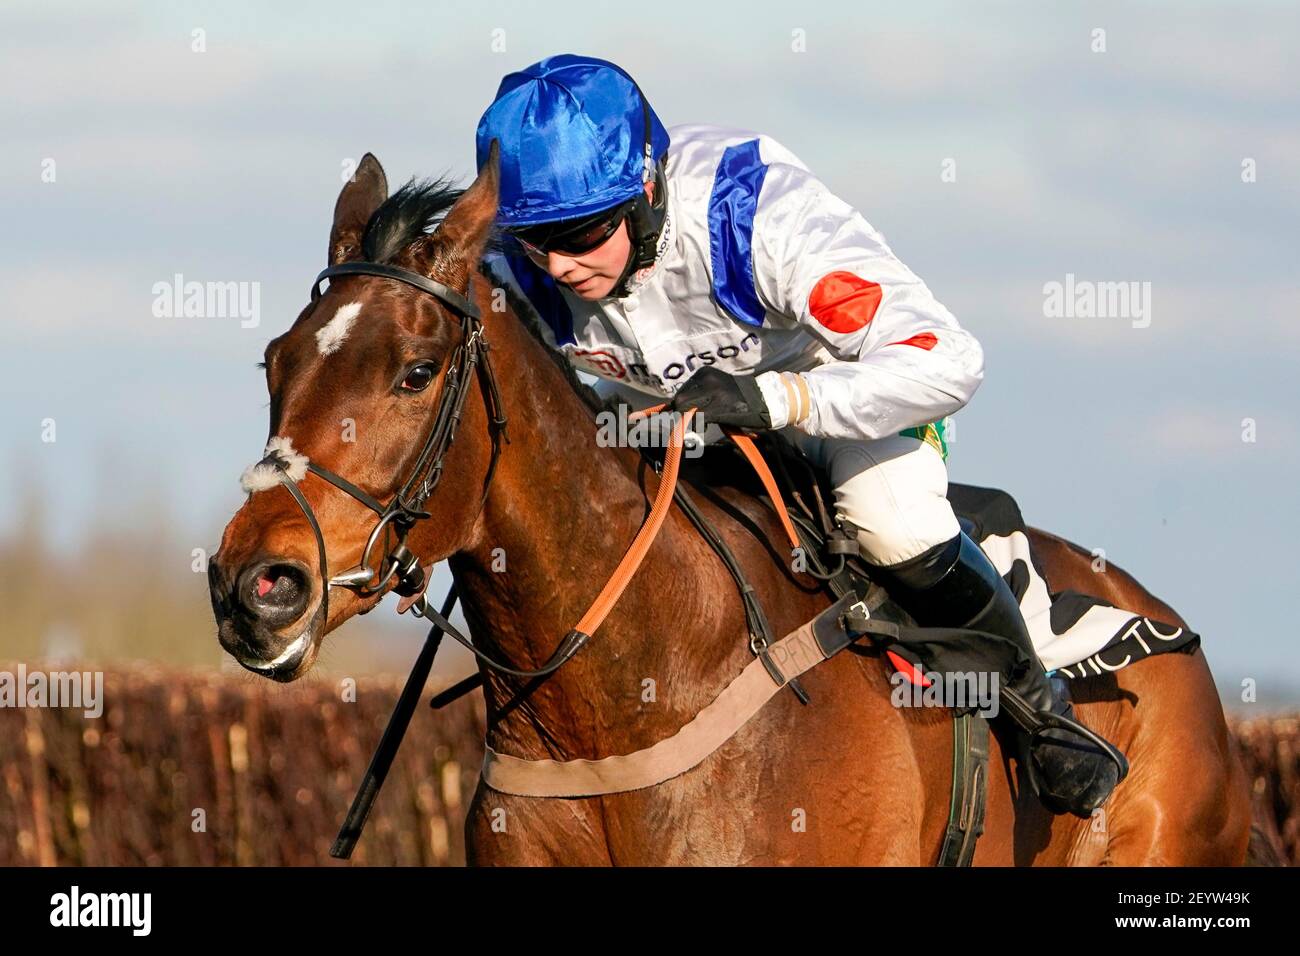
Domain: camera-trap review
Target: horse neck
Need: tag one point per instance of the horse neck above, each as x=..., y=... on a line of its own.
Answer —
x=560, y=513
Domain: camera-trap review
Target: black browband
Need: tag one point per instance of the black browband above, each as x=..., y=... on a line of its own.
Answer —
x=469, y=360
x=434, y=288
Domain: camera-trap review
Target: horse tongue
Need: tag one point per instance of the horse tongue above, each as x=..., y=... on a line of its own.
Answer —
x=405, y=603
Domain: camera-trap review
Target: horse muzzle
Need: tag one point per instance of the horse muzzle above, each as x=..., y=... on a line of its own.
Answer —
x=265, y=618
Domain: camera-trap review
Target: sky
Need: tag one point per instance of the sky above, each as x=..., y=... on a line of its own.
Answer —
x=999, y=147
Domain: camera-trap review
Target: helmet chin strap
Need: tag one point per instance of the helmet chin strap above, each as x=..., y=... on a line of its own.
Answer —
x=621, y=289
x=645, y=223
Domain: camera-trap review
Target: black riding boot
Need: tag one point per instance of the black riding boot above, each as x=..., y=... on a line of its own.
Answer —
x=956, y=585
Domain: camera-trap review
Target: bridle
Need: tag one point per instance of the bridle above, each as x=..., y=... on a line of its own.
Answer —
x=396, y=519
x=400, y=566
x=403, y=570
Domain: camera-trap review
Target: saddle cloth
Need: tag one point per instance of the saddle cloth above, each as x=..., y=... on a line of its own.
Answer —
x=1075, y=634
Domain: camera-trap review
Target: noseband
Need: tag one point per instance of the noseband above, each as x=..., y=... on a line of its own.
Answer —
x=399, y=566
x=402, y=569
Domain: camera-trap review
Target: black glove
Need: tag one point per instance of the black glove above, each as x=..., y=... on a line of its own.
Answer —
x=724, y=399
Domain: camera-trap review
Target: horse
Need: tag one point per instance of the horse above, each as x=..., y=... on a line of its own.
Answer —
x=531, y=534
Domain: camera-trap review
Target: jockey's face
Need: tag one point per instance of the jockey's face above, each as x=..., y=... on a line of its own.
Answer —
x=591, y=275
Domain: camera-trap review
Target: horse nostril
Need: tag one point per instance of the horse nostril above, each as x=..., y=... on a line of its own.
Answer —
x=275, y=592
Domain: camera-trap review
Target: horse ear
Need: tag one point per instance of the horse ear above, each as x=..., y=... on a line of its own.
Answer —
x=460, y=239
x=360, y=197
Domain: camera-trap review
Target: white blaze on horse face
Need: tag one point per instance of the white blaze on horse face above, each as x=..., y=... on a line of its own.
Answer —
x=331, y=335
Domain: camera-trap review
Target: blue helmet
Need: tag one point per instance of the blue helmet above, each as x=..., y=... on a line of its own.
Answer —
x=574, y=133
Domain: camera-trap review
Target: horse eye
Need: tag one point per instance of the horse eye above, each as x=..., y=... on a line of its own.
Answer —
x=418, y=378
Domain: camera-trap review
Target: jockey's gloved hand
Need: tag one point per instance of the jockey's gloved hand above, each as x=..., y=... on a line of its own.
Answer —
x=724, y=399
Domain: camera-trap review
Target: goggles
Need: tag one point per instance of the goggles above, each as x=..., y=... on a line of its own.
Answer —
x=572, y=237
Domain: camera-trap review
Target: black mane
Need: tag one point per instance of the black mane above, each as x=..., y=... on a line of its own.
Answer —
x=406, y=215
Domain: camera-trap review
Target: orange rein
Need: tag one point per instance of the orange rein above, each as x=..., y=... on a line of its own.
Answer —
x=637, y=551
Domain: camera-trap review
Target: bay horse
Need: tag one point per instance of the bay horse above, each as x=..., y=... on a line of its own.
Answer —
x=847, y=779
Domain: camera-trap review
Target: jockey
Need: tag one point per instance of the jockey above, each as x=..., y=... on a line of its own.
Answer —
x=712, y=266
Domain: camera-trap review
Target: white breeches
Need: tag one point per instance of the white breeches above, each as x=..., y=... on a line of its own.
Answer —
x=892, y=489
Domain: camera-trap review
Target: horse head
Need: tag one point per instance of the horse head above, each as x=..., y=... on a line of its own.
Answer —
x=360, y=383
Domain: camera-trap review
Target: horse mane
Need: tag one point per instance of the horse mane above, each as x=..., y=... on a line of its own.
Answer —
x=413, y=212
x=407, y=216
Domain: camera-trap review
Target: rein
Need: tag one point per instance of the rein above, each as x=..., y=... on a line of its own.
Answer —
x=622, y=576
x=402, y=571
